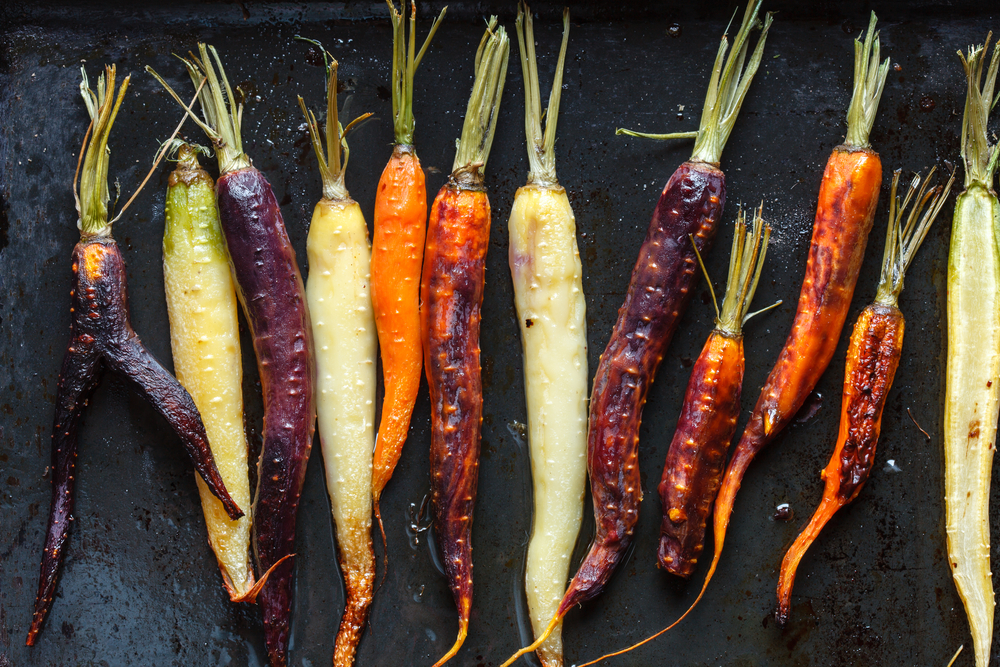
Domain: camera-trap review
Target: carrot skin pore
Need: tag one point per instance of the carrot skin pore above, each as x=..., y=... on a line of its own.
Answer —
x=397, y=257
x=101, y=331
x=451, y=301
x=847, y=200
x=659, y=291
x=696, y=460
x=271, y=292
x=872, y=358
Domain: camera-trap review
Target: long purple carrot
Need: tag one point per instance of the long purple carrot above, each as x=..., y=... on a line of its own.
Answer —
x=270, y=290
x=660, y=288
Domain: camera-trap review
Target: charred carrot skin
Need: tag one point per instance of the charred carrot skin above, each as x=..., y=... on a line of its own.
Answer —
x=397, y=254
x=697, y=456
x=271, y=292
x=451, y=300
x=844, y=214
x=872, y=359
x=102, y=332
x=658, y=293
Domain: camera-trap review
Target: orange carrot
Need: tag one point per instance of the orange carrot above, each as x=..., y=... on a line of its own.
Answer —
x=872, y=358
x=397, y=255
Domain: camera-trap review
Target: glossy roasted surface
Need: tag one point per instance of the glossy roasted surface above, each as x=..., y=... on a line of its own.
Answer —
x=692, y=472
x=451, y=303
x=101, y=335
x=878, y=589
x=662, y=282
x=270, y=289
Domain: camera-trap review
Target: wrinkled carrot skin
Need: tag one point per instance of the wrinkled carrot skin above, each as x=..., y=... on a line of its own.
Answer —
x=451, y=301
x=659, y=291
x=872, y=359
x=693, y=470
x=101, y=331
x=847, y=199
x=397, y=256
x=270, y=290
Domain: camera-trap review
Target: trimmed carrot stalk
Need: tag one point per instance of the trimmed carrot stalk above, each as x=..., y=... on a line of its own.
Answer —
x=872, y=358
x=659, y=291
x=340, y=304
x=397, y=256
x=101, y=334
x=972, y=377
x=548, y=293
x=695, y=461
x=270, y=290
x=205, y=341
x=451, y=293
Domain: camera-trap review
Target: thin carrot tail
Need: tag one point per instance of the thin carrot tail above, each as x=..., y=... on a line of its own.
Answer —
x=537, y=643
x=463, y=631
x=704, y=587
x=251, y=595
x=359, y=586
x=723, y=509
x=793, y=557
x=385, y=545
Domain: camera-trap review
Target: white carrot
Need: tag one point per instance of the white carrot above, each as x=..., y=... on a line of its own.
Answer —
x=205, y=341
x=338, y=291
x=548, y=293
x=972, y=389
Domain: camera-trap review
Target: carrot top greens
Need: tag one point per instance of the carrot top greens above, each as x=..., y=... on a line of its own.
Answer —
x=331, y=165
x=869, y=79
x=726, y=91
x=223, y=113
x=980, y=158
x=93, y=196
x=903, y=240
x=745, y=263
x=405, y=61
x=481, y=114
x=541, y=147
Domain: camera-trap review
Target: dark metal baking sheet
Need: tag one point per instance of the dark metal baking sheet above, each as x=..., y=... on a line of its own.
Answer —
x=140, y=586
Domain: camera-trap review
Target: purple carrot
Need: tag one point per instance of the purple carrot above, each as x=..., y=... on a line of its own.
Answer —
x=660, y=288
x=271, y=292
x=101, y=334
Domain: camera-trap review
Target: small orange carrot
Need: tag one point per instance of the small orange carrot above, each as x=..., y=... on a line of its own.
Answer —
x=872, y=358
x=397, y=256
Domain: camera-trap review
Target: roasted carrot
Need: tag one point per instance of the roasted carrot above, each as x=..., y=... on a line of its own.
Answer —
x=847, y=199
x=269, y=287
x=340, y=305
x=972, y=376
x=659, y=290
x=205, y=341
x=101, y=335
x=397, y=255
x=693, y=470
x=872, y=358
x=548, y=293
x=451, y=295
